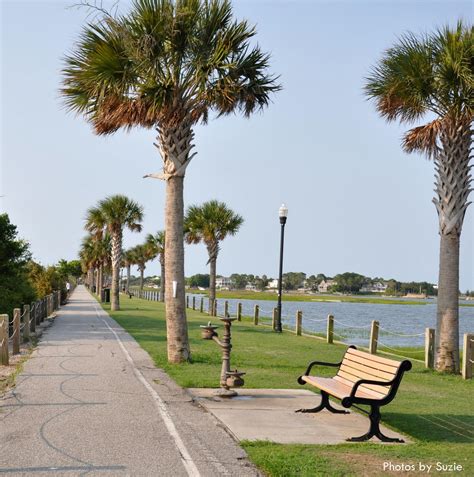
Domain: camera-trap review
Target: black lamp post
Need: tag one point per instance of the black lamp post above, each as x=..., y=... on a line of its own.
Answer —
x=283, y=214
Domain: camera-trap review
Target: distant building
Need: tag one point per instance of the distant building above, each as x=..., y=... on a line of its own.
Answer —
x=324, y=286
x=250, y=287
x=224, y=282
x=378, y=287
x=273, y=283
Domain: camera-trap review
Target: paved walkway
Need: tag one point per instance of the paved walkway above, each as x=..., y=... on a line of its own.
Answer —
x=90, y=402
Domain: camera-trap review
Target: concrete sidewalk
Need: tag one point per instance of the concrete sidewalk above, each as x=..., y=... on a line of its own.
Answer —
x=269, y=414
x=91, y=402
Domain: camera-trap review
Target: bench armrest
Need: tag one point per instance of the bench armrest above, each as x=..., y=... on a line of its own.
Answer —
x=316, y=363
x=369, y=381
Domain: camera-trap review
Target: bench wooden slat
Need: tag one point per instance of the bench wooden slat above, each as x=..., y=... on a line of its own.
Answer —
x=338, y=389
x=382, y=390
x=371, y=364
x=374, y=357
x=366, y=372
x=365, y=391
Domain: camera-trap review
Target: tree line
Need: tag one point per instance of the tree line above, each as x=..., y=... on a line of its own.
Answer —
x=23, y=280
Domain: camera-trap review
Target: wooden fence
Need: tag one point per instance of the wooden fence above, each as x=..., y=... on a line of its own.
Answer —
x=24, y=324
x=374, y=342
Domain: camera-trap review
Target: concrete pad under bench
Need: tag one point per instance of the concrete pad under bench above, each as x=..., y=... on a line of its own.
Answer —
x=269, y=414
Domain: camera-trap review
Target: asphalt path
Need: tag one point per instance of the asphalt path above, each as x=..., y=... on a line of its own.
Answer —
x=90, y=402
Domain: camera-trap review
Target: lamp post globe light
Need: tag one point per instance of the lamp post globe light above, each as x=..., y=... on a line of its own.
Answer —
x=283, y=214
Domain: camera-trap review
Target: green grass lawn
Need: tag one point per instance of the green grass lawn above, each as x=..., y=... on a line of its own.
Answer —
x=436, y=411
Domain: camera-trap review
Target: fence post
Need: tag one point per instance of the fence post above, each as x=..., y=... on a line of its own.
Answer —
x=26, y=322
x=299, y=322
x=201, y=306
x=239, y=311
x=429, y=347
x=4, y=339
x=330, y=330
x=214, y=311
x=187, y=301
x=467, y=356
x=16, y=331
x=194, y=302
x=255, y=314
x=374, y=336
x=226, y=309
x=33, y=318
x=274, y=318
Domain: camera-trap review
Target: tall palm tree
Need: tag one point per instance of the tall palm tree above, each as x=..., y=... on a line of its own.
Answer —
x=168, y=64
x=211, y=223
x=157, y=245
x=116, y=212
x=434, y=76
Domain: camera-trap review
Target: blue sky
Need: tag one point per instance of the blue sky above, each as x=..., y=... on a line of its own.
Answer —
x=356, y=201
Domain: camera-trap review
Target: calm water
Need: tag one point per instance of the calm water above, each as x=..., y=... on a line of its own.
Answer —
x=352, y=320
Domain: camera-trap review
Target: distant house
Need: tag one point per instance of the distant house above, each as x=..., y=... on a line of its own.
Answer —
x=224, y=282
x=273, y=284
x=378, y=287
x=324, y=286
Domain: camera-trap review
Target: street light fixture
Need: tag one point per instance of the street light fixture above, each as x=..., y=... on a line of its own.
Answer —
x=283, y=214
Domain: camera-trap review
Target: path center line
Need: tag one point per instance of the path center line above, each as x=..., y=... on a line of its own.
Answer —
x=186, y=459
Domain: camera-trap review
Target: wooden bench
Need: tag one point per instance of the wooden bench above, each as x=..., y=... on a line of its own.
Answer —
x=362, y=378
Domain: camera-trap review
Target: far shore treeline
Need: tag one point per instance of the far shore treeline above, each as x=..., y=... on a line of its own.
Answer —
x=346, y=283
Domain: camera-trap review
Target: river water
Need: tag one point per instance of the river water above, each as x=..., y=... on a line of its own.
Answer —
x=400, y=325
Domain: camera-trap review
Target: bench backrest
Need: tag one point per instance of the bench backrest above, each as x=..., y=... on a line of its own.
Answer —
x=357, y=365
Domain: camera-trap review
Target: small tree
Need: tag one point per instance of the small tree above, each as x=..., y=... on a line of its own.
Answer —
x=156, y=244
x=211, y=223
x=115, y=213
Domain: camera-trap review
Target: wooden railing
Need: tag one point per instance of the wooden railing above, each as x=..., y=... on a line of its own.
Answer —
x=25, y=324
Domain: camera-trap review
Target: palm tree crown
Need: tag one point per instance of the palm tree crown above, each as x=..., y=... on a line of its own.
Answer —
x=422, y=75
x=211, y=223
x=164, y=63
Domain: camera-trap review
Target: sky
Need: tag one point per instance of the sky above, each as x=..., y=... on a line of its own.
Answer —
x=356, y=201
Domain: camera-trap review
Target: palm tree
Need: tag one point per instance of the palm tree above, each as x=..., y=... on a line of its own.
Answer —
x=128, y=261
x=157, y=245
x=433, y=76
x=141, y=254
x=95, y=255
x=168, y=65
x=211, y=223
x=115, y=213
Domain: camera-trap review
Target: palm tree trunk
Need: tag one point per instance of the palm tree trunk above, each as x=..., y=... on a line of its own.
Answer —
x=212, y=281
x=176, y=325
x=163, y=278
x=447, y=322
x=142, y=271
x=97, y=278
x=453, y=188
x=116, y=258
x=101, y=281
x=127, y=288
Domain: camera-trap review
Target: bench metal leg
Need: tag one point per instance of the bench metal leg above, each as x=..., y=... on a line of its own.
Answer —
x=325, y=404
x=374, y=430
